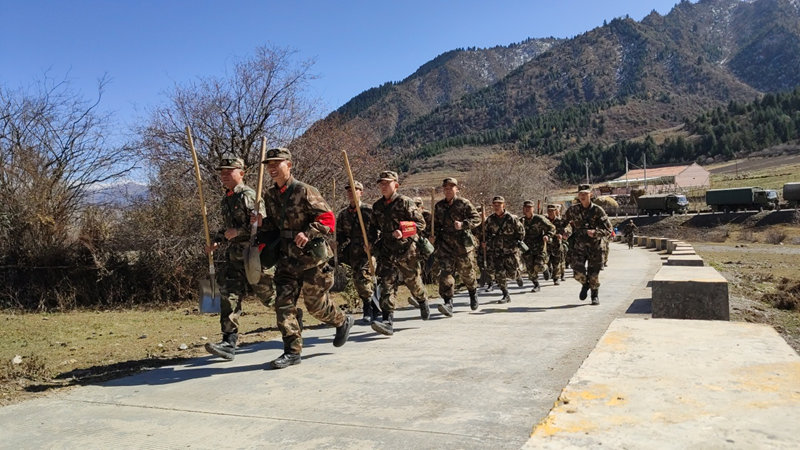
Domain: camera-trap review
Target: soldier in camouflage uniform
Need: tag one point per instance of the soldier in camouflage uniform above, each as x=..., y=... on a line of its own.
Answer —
x=629, y=229
x=557, y=249
x=454, y=220
x=351, y=244
x=237, y=206
x=503, y=233
x=426, y=264
x=538, y=232
x=305, y=222
x=396, y=222
x=589, y=225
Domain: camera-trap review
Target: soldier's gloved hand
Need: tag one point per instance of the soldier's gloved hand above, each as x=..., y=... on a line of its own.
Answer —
x=212, y=247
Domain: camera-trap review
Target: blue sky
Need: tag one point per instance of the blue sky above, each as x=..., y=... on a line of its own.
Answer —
x=148, y=46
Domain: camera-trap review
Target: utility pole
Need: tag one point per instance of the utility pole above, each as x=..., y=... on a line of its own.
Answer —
x=627, y=185
x=587, y=171
x=644, y=157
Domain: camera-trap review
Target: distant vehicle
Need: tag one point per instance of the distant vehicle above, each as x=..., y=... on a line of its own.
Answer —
x=744, y=198
x=662, y=203
x=791, y=194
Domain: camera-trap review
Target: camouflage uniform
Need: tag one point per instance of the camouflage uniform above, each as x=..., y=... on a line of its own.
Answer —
x=298, y=270
x=455, y=249
x=350, y=242
x=629, y=229
x=397, y=257
x=536, y=228
x=586, y=253
x=557, y=249
x=237, y=206
x=502, y=251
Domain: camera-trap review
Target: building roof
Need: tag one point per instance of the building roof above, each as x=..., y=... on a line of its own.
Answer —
x=669, y=171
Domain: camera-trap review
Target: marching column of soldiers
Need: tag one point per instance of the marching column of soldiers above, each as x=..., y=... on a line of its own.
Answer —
x=296, y=228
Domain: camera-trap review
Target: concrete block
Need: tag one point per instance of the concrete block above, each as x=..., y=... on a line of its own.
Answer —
x=662, y=244
x=687, y=292
x=684, y=260
x=651, y=242
x=683, y=253
x=671, y=245
x=683, y=248
x=643, y=241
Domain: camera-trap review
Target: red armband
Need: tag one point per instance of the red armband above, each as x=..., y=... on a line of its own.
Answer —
x=328, y=219
x=408, y=228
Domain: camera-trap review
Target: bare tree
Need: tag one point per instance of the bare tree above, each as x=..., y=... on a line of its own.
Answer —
x=53, y=150
x=512, y=175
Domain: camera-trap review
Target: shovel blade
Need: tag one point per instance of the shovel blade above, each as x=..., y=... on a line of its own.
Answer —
x=210, y=298
x=376, y=298
x=252, y=264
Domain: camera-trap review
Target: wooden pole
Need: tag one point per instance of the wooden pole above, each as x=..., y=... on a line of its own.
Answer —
x=358, y=212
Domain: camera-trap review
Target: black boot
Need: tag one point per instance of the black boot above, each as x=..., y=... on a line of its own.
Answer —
x=584, y=291
x=366, y=319
x=473, y=300
x=595, y=297
x=424, y=310
x=447, y=307
x=225, y=349
x=285, y=360
x=384, y=326
x=505, y=298
x=343, y=331
x=536, y=287
x=520, y=282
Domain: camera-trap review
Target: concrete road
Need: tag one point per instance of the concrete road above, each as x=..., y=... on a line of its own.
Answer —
x=481, y=379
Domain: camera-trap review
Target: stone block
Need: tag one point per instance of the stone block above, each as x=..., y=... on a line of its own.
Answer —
x=651, y=242
x=662, y=244
x=687, y=292
x=643, y=241
x=684, y=260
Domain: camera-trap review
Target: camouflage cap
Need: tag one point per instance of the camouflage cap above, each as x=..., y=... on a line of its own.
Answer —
x=498, y=199
x=528, y=203
x=358, y=184
x=230, y=161
x=278, y=154
x=449, y=180
x=585, y=188
x=418, y=201
x=387, y=175
x=552, y=206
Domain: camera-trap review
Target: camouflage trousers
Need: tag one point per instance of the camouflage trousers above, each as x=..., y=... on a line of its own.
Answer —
x=362, y=280
x=233, y=284
x=502, y=265
x=535, y=261
x=629, y=240
x=314, y=284
x=586, y=259
x=391, y=269
x=557, y=254
x=606, y=244
x=462, y=265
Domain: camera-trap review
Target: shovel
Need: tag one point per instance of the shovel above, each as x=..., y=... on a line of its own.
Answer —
x=209, y=291
x=252, y=255
x=376, y=293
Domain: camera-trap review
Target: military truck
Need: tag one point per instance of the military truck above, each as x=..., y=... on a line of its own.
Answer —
x=791, y=194
x=744, y=198
x=662, y=203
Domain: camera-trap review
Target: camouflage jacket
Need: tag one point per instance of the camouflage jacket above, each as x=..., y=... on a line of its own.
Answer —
x=237, y=206
x=426, y=233
x=592, y=218
x=629, y=229
x=449, y=240
x=304, y=207
x=349, y=239
x=536, y=228
x=503, y=232
x=387, y=216
x=563, y=228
